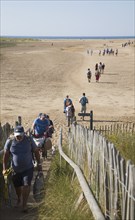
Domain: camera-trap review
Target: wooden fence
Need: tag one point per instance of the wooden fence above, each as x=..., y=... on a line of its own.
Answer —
x=116, y=128
x=110, y=177
x=6, y=130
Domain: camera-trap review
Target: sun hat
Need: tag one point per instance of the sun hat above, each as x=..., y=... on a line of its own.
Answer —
x=18, y=131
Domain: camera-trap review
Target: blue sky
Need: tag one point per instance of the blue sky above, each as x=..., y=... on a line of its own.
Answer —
x=67, y=18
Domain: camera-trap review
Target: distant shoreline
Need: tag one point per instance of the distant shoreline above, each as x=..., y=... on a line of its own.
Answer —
x=70, y=37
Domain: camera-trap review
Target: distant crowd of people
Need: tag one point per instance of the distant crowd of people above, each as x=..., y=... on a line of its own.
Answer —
x=127, y=43
x=104, y=52
x=108, y=52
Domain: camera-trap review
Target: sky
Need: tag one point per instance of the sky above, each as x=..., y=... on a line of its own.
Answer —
x=67, y=18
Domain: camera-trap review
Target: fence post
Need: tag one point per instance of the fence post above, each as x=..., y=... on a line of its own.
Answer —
x=16, y=123
x=19, y=120
x=91, y=120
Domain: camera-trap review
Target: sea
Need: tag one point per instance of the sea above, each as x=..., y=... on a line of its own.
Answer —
x=72, y=37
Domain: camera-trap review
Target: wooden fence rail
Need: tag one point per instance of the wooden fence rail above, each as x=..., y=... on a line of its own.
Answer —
x=110, y=177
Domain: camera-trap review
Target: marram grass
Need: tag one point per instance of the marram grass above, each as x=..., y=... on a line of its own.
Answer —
x=62, y=193
x=125, y=143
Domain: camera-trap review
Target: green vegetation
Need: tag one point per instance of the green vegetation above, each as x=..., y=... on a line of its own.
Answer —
x=125, y=143
x=11, y=42
x=7, y=44
x=62, y=193
x=1, y=185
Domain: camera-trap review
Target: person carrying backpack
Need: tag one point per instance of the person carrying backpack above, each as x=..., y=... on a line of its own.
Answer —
x=83, y=100
x=70, y=112
x=20, y=149
x=67, y=101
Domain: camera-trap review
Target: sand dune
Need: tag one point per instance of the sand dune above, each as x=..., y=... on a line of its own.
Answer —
x=35, y=77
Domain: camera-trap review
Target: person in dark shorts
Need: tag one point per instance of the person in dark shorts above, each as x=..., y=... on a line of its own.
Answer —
x=21, y=148
x=83, y=100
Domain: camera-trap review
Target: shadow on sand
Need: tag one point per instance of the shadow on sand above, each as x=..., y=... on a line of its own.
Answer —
x=98, y=120
x=108, y=82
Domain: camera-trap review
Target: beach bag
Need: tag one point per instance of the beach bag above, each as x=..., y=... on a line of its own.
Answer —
x=48, y=144
x=39, y=141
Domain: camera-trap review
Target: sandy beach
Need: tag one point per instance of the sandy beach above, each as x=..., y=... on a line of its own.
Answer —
x=36, y=77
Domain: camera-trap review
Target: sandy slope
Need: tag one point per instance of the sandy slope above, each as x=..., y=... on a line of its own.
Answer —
x=35, y=77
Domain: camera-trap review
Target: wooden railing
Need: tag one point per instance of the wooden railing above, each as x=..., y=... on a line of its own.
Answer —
x=94, y=207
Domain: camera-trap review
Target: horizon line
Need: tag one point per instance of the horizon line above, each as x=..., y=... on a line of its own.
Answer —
x=67, y=36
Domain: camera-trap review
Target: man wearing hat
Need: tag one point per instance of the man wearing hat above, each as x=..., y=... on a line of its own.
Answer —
x=21, y=147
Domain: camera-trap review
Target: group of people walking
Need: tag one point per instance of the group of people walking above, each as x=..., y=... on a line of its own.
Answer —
x=108, y=52
x=69, y=108
x=99, y=69
x=23, y=150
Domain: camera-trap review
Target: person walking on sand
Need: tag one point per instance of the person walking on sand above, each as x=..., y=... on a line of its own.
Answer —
x=67, y=101
x=70, y=112
x=91, y=52
x=83, y=100
x=103, y=67
x=97, y=73
x=96, y=66
x=89, y=74
x=21, y=148
x=100, y=67
x=116, y=53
